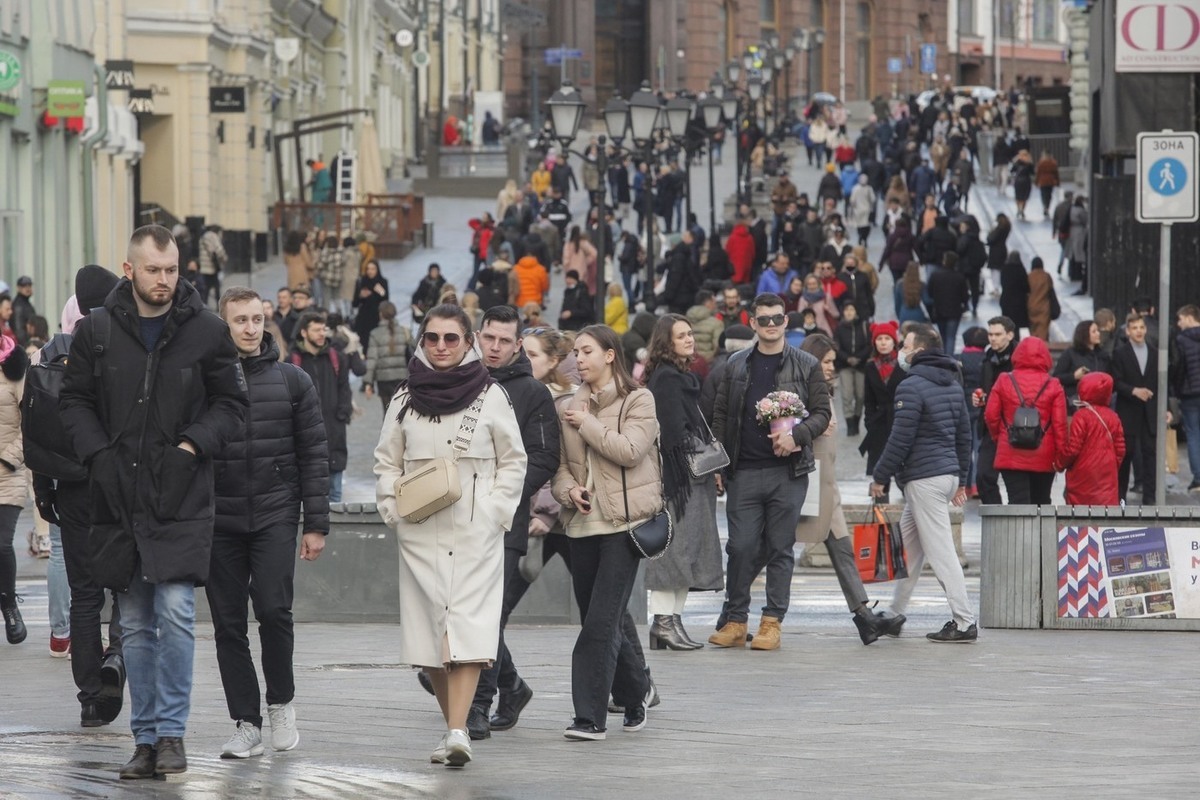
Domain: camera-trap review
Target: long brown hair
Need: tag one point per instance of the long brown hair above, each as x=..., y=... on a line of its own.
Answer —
x=607, y=338
x=387, y=313
x=912, y=285
x=661, y=348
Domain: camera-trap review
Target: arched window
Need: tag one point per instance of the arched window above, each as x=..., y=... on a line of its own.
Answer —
x=863, y=52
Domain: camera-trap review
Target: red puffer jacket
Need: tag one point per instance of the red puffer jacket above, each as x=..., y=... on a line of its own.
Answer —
x=1031, y=370
x=740, y=249
x=1096, y=446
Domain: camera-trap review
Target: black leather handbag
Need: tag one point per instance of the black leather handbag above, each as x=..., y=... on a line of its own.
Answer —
x=652, y=538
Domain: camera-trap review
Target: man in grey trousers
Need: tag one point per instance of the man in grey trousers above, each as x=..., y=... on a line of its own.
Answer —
x=928, y=454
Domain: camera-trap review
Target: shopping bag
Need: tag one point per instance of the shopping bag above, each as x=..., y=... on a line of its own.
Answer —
x=878, y=549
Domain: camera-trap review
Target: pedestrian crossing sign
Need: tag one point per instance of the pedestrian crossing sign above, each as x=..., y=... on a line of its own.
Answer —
x=1167, y=177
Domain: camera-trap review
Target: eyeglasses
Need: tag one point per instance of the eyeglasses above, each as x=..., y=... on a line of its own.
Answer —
x=451, y=339
x=772, y=321
x=534, y=331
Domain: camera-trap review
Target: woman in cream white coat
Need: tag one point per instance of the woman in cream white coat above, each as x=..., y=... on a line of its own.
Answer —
x=609, y=428
x=452, y=564
x=829, y=526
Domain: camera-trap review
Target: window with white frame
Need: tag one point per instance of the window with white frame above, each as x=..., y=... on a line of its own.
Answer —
x=1045, y=19
x=966, y=17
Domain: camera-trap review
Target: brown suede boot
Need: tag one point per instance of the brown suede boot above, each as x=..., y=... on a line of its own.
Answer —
x=767, y=637
x=733, y=634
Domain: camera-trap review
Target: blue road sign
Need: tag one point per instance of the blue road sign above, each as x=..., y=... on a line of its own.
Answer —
x=1168, y=176
x=894, y=66
x=929, y=58
x=556, y=55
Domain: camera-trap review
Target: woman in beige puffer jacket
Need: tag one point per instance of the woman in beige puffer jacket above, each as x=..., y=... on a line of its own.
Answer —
x=609, y=428
x=13, y=363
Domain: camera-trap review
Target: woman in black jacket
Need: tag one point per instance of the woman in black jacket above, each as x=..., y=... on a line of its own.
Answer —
x=693, y=562
x=882, y=378
x=997, y=242
x=1014, y=290
x=1084, y=356
x=370, y=290
x=972, y=258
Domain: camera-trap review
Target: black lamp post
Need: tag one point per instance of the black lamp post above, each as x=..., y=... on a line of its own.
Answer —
x=644, y=110
x=710, y=110
x=679, y=112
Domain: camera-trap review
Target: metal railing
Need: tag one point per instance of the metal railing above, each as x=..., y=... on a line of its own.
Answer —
x=393, y=220
x=1057, y=145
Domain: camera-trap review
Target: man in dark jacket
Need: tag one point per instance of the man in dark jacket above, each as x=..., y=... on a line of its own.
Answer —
x=1186, y=380
x=950, y=295
x=997, y=360
x=278, y=463
x=683, y=276
x=1135, y=379
x=929, y=453
x=858, y=284
x=578, y=308
x=22, y=308
x=852, y=341
x=768, y=471
x=314, y=353
x=936, y=242
x=147, y=410
x=500, y=343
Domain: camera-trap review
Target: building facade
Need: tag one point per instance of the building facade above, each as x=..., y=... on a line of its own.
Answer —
x=1010, y=42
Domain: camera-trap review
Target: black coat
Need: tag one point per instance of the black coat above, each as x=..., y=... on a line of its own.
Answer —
x=972, y=255
x=579, y=302
x=683, y=279
x=1071, y=360
x=280, y=459
x=877, y=411
x=333, y=390
x=1137, y=416
x=152, y=501
x=534, y=407
x=677, y=403
x=852, y=340
x=1014, y=293
x=935, y=243
x=859, y=285
x=949, y=294
x=366, y=318
x=997, y=242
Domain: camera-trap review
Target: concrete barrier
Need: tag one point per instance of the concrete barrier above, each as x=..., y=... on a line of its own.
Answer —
x=356, y=579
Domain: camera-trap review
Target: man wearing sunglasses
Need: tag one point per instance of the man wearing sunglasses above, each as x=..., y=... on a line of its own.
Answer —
x=767, y=477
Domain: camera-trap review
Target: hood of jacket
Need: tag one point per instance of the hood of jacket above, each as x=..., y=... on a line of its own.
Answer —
x=502, y=265
x=1033, y=354
x=528, y=263
x=519, y=368
x=740, y=231
x=936, y=367
x=698, y=314
x=267, y=354
x=1096, y=388
x=643, y=323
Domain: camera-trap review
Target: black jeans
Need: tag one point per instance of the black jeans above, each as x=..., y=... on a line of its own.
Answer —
x=210, y=284
x=260, y=567
x=485, y=690
x=763, y=508
x=87, y=596
x=8, y=556
x=1139, y=457
x=603, y=571
x=987, y=479
x=386, y=391
x=1027, y=488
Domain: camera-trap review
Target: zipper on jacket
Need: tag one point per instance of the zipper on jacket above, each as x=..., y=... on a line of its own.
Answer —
x=249, y=458
x=474, y=481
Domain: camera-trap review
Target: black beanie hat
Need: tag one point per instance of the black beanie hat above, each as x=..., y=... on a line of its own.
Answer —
x=92, y=285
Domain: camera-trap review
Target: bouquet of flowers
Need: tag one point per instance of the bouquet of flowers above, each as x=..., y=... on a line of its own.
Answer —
x=780, y=410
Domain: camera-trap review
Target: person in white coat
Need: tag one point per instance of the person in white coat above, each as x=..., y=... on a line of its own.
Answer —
x=452, y=564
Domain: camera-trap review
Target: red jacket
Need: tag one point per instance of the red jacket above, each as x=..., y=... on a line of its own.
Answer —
x=1095, y=447
x=1031, y=370
x=483, y=237
x=740, y=249
x=834, y=288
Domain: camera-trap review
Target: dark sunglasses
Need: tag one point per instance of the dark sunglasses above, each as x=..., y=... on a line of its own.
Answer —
x=772, y=321
x=451, y=339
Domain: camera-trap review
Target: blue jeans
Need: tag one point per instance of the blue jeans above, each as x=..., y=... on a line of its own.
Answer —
x=58, y=587
x=1189, y=408
x=948, y=329
x=335, y=487
x=159, y=643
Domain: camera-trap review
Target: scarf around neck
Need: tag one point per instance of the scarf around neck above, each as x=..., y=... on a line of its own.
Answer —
x=433, y=392
x=885, y=365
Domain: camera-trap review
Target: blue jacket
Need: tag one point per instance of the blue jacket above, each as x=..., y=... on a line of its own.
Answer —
x=931, y=431
x=770, y=281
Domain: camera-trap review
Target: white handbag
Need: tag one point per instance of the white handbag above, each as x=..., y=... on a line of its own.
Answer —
x=435, y=485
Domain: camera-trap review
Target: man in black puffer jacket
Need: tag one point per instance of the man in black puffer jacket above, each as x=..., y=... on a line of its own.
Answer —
x=928, y=453
x=329, y=370
x=277, y=464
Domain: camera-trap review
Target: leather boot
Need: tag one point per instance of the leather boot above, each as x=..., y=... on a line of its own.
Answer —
x=141, y=765
x=683, y=633
x=732, y=634
x=768, y=634
x=663, y=634
x=870, y=625
x=852, y=426
x=14, y=626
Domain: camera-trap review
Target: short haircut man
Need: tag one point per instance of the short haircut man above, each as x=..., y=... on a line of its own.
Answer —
x=329, y=369
x=149, y=440
x=276, y=465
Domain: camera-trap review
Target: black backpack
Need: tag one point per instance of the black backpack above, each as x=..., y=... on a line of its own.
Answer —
x=48, y=449
x=1026, y=431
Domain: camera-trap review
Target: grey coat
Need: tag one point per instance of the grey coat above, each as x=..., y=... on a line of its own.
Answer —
x=1077, y=243
x=388, y=354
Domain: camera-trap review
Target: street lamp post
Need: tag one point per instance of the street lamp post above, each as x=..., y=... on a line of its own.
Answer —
x=733, y=71
x=710, y=110
x=644, y=110
x=679, y=113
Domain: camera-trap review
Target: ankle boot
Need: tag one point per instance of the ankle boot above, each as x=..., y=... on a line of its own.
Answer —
x=679, y=627
x=663, y=634
x=768, y=634
x=14, y=626
x=852, y=426
x=870, y=625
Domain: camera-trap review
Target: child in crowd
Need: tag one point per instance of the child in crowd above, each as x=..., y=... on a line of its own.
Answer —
x=1095, y=445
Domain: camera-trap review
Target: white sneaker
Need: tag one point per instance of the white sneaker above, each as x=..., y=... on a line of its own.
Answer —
x=284, y=735
x=245, y=742
x=439, y=753
x=458, y=748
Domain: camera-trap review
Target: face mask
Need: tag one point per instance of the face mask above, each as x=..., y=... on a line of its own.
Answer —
x=902, y=361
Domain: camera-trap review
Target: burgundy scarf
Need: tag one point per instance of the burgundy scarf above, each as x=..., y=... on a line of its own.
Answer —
x=433, y=392
x=885, y=365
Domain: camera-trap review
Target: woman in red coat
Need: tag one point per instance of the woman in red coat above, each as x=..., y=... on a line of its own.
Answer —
x=740, y=249
x=1028, y=474
x=1095, y=446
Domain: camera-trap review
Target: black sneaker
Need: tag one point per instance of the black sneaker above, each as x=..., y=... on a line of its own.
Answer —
x=635, y=718
x=112, y=687
x=893, y=625
x=951, y=633
x=477, y=723
x=1194, y=487
x=584, y=732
